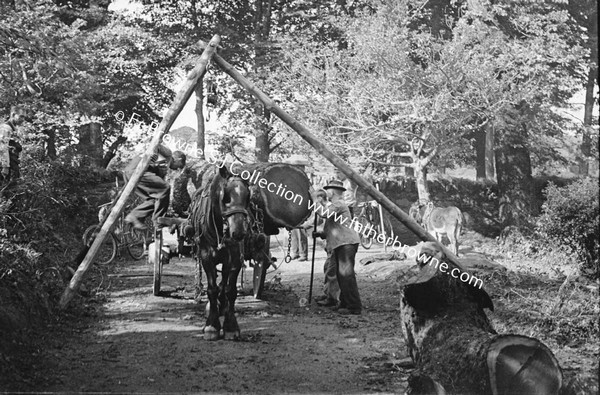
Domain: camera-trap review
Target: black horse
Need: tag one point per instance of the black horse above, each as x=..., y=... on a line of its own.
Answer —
x=220, y=217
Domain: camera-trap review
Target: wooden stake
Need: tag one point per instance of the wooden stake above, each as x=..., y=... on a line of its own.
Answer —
x=174, y=110
x=333, y=158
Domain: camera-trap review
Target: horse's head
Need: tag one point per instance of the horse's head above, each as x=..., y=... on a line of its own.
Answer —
x=235, y=201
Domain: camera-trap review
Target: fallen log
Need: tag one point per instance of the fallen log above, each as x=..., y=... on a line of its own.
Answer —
x=456, y=349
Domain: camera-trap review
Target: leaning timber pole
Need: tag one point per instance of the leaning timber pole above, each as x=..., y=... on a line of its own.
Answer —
x=333, y=158
x=180, y=100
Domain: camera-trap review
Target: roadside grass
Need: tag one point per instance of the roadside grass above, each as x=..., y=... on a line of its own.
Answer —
x=541, y=295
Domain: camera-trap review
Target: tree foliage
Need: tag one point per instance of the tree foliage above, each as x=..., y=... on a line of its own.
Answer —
x=86, y=64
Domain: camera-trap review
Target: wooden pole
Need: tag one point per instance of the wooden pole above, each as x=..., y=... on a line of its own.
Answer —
x=381, y=223
x=312, y=262
x=200, y=118
x=321, y=148
x=174, y=110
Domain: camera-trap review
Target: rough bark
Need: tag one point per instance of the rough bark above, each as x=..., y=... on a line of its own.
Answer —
x=51, y=144
x=90, y=144
x=484, y=151
x=438, y=310
x=480, y=155
x=262, y=148
x=591, y=25
x=513, y=170
x=490, y=169
x=585, y=13
x=262, y=27
x=201, y=142
x=419, y=162
x=421, y=179
x=515, y=181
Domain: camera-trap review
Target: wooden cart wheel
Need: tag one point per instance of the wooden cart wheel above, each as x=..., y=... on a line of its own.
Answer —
x=158, y=241
x=260, y=271
x=258, y=279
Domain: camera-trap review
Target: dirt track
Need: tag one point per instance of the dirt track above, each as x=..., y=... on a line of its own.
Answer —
x=143, y=343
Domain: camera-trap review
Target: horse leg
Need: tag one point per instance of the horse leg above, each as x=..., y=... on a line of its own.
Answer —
x=213, y=325
x=231, y=329
x=453, y=241
x=222, y=290
x=456, y=233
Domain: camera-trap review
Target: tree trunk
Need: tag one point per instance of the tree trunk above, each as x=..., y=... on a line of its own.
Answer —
x=438, y=310
x=421, y=180
x=591, y=24
x=490, y=170
x=51, y=144
x=201, y=144
x=90, y=144
x=513, y=170
x=262, y=144
x=262, y=27
x=591, y=81
x=480, y=159
x=194, y=13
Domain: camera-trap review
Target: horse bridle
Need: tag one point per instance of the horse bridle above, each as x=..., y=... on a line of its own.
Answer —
x=225, y=213
x=234, y=210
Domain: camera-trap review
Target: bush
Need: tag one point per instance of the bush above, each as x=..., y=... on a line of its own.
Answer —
x=42, y=218
x=570, y=218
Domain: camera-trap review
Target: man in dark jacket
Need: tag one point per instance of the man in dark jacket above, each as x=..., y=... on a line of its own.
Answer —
x=342, y=241
x=152, y=187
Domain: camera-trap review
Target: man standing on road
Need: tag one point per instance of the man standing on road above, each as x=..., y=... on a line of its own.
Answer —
x=152, y=187
x=331, y=287
x=343, y=242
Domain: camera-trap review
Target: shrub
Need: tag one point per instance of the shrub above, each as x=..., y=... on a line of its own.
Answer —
x=570, y=218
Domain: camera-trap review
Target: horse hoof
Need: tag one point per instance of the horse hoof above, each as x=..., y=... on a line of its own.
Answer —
x=211, y=333
x=232, y=335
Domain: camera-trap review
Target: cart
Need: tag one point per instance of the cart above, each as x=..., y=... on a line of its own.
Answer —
x=156, y=257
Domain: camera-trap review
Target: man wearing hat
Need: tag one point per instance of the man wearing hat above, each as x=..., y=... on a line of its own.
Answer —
x=343, y=242
x=349, y=193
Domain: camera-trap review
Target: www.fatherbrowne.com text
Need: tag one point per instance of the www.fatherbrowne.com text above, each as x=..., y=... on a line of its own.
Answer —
x=410, y=252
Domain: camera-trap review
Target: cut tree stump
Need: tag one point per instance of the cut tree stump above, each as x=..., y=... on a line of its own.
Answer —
x=456, y=349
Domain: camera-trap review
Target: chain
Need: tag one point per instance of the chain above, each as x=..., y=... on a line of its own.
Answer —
x=288, y=257
x=260, y=220
x=258, y=224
